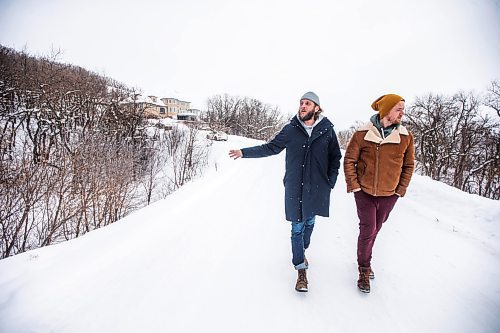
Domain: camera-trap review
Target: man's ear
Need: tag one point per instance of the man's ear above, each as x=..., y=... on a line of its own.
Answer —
x=316, y=108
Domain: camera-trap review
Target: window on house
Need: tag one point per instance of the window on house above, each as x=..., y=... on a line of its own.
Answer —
x=162, y=110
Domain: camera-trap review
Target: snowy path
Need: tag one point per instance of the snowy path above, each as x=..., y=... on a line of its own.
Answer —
x=215, y=257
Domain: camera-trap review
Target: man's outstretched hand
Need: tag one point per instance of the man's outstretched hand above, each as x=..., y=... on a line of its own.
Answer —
x=235, y=153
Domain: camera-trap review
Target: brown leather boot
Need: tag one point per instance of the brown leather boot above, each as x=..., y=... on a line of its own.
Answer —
x=364, y=279
x=301, y=284
x=372, y=274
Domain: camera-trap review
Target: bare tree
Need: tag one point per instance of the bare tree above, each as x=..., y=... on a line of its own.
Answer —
x=188, y=156
x=243, y=116
x=492, y=98
x=69, y=151
x=155, y=159
x=344, y=136
x=455, y=142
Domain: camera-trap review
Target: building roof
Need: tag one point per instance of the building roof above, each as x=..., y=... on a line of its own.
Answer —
x=179, y=100
x=145, y=99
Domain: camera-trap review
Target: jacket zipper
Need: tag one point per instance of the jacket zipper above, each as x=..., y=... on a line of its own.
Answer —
x=376, y=169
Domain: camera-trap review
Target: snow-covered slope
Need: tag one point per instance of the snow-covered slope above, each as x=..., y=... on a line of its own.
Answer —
x=215, y=257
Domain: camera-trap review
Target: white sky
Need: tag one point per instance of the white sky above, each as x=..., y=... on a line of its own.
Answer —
x=348, y=52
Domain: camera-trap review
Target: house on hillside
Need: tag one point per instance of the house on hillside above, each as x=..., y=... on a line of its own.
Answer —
x=167, y=107
x=153, y=106
x=175, y=106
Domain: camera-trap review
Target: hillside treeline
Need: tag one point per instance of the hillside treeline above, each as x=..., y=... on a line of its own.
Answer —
x=244, y=116
x=73, y=156
x=76, y=154
x=456, y=142
x=457, y=139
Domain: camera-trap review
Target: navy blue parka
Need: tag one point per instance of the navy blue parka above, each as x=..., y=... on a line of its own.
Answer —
x=312, y=166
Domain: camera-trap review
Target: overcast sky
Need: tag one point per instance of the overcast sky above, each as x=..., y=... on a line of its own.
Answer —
x=348, y=52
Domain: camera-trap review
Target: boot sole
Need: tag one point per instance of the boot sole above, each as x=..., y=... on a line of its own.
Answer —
x=364, y=291
x=302, y=290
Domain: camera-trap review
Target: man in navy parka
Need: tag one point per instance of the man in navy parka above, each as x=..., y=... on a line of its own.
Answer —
x=312, y=166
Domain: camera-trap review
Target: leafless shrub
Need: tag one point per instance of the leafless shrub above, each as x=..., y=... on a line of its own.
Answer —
x=456, y=143
x=243, y=116
x=492, y=98
x=187, y=155
x=344, y=136
x=69, y=151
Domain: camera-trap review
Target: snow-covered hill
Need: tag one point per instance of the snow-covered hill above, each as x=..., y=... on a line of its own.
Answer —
x=215, y=257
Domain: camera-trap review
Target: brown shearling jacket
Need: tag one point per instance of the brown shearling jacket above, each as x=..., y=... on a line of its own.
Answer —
x=379, y=166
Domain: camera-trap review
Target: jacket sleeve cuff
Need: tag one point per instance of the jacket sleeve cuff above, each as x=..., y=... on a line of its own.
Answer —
x=332, y=181
x=352, y=185
x=401, y=191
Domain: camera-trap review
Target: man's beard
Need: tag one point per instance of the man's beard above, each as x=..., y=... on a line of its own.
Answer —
x=307, y=116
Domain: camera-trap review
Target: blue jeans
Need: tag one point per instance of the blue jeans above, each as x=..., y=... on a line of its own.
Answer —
x=301, y=238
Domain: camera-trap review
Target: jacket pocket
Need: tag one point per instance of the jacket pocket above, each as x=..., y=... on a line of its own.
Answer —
x=360, y=169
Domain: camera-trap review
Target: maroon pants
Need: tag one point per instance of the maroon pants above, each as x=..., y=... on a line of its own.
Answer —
x=372, y=212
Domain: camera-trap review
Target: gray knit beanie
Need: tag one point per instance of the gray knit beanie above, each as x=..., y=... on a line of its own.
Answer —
x=311, y=96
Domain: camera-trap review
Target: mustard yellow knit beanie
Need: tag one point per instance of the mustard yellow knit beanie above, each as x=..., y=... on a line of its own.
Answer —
x=385, y=103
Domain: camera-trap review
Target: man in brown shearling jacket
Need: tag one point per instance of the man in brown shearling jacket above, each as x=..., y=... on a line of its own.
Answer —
x=378, y=166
